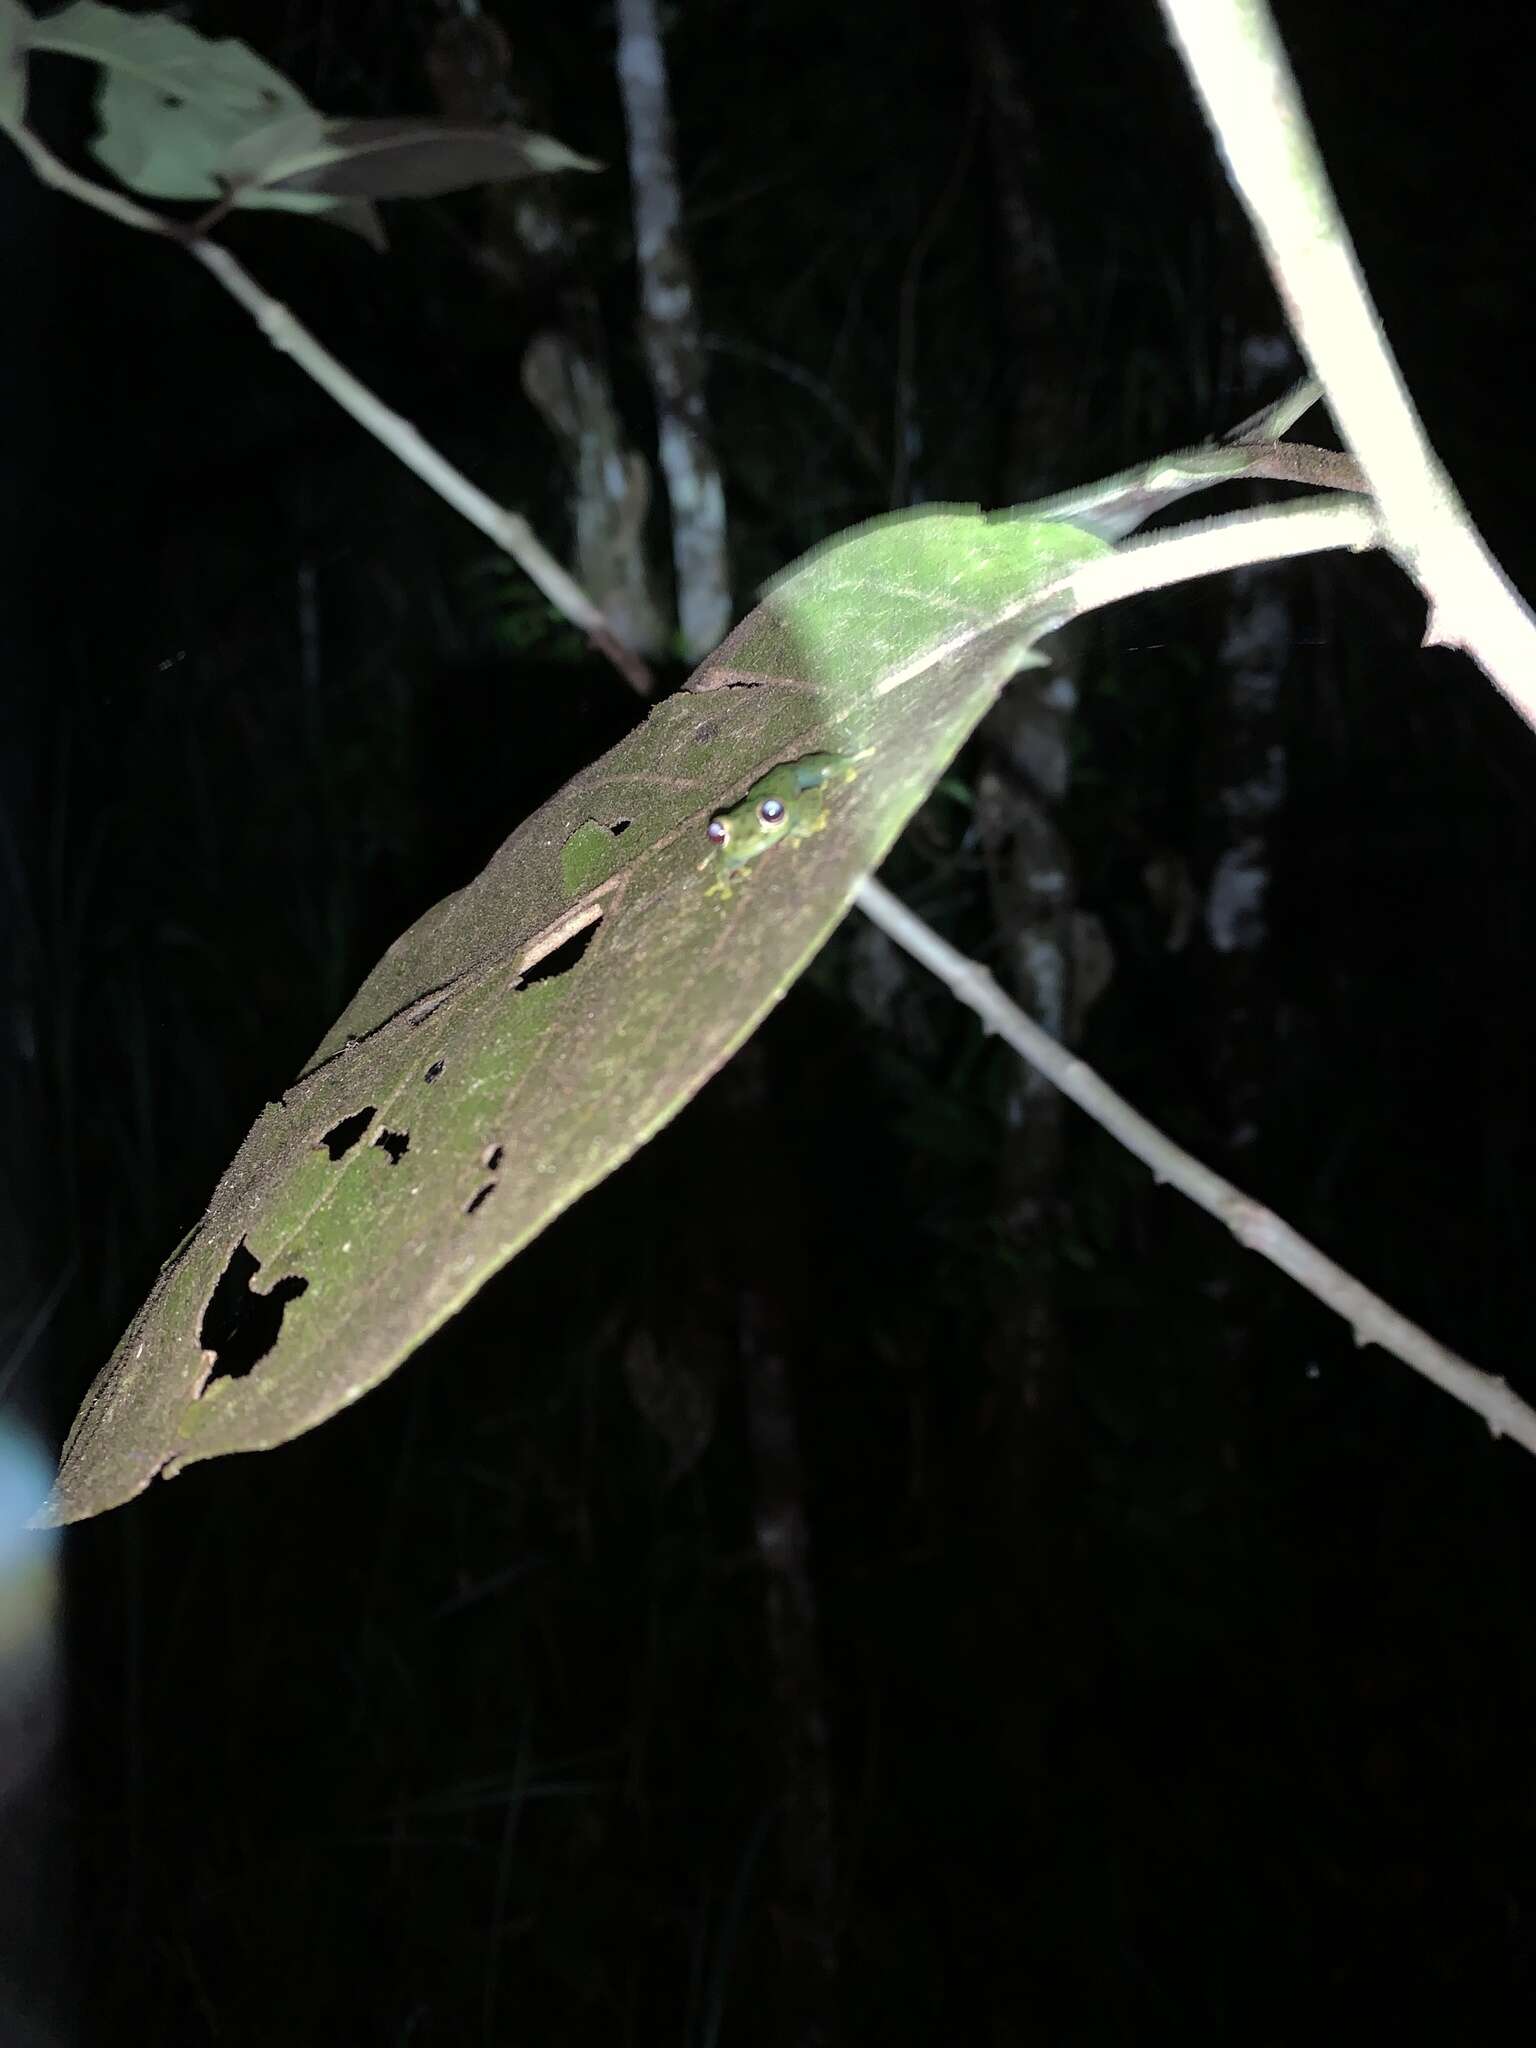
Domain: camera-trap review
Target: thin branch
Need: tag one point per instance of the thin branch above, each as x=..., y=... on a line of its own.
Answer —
x=1259, y=1229
x=509, y=530
x=1207, y=547
x=62, y=179
x=1294, y=462
x=1239, y=68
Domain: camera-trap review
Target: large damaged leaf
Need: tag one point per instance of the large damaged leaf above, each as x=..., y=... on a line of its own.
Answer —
x=530, y=1032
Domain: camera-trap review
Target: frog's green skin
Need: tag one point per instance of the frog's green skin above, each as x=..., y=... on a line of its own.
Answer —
x=800, y=788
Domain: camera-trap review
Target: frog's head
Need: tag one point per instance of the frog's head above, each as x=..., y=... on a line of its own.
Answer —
x=749, y=827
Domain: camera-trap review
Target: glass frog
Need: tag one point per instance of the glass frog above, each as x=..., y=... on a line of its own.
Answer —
x=788, y=803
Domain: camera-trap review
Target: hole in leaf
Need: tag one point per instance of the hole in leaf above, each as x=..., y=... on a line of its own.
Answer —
x=564, y=957
x=491, y=1158
x=395, y=1143
x=620, y=826
x=241, y=1323
x=480, y=1195
x=434, y=1070
x=340, y=1138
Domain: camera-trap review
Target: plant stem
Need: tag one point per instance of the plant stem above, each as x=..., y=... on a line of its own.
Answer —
x=509, y=530
x=1371, y=1319
x=1239, y=68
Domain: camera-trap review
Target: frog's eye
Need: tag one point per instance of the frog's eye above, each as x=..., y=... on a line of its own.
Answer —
x=770, y=811
x=719, y=832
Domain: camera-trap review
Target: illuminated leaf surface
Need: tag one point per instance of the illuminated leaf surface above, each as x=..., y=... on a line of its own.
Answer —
x=397, y=159
x=530, y=1032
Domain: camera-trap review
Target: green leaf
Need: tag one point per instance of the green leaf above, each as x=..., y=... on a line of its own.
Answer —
x=15, y=34
x=388, y=159
x=531, y=1032
x=176, y=60
x=172, y=104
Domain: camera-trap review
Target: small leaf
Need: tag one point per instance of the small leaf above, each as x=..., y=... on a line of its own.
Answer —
x=242, y=176
x=401, y=159
x=358, y=218
x=528, y=1034
x=250, y=159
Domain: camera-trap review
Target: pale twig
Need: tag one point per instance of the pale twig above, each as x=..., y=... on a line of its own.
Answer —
x=1259, y=1229
x=1239, y=68
x=509, y=530
x=1208, y=547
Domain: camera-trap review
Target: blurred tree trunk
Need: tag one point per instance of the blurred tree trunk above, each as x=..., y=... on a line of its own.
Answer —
x=671, y=336
x=531, y=249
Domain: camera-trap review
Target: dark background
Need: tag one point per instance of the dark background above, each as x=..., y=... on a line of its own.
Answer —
x=454, y=1721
